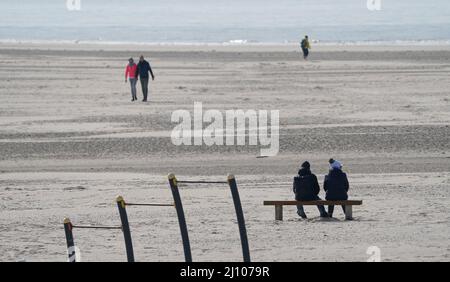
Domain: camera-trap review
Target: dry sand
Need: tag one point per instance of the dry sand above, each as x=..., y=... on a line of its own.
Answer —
x=71, y=140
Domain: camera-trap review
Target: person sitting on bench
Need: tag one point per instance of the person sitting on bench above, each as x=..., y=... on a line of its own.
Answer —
x=306, y=188
x=336, y=185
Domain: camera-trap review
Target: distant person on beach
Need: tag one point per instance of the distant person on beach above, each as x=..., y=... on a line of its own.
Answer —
x=306, y=188
x=336, y=185
x=144, y=69
x=305, y=47
x=131, y=74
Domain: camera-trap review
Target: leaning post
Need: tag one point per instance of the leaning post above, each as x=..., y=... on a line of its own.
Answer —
x=69, y=238
x=125, y=228
x=240, y=217
x=181, y=217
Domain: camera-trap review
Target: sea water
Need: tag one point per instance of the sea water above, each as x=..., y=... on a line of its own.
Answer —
x=224, y=21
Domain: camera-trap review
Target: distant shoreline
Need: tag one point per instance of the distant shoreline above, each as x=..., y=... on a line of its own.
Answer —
x=228, y=47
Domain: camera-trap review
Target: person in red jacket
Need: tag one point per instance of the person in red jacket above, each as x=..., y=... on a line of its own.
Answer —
x=131, y=74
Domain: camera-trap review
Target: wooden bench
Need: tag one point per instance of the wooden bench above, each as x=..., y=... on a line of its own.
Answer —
x=279, y=206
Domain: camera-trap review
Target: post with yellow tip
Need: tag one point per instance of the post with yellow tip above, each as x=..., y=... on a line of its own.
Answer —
x=69, y=238
x=125, y=228
x=240, y=217
x=181, y=217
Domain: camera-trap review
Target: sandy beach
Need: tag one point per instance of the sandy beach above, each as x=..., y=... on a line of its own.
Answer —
x=71, y=141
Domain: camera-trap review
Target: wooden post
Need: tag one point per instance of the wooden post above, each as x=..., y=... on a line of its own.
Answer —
x=69, y=239
x=240, y=217
x=125, y=228
x=181, y=217
x=348, y=212
x=278, y=212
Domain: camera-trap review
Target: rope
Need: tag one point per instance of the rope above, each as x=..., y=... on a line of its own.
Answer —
x=150, y=205
x=96, y=227
x=203, y=182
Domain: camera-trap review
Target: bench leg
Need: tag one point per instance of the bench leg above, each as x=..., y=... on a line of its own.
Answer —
x=278, y=212
x=349, y=212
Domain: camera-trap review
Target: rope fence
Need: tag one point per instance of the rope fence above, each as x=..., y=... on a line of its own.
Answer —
x=173, y=184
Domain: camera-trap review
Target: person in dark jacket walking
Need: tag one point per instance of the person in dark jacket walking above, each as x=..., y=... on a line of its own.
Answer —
x=143, y=69
x=336, y=185
x=306, y=188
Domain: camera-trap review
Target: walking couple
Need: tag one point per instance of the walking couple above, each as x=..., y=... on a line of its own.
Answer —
x=134, y=71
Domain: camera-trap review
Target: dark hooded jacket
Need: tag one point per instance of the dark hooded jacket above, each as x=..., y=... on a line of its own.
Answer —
x=306, y=186
x=336, y=185
x=143, y=68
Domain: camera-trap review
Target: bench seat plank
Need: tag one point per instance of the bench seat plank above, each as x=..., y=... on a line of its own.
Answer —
x=279, y=206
